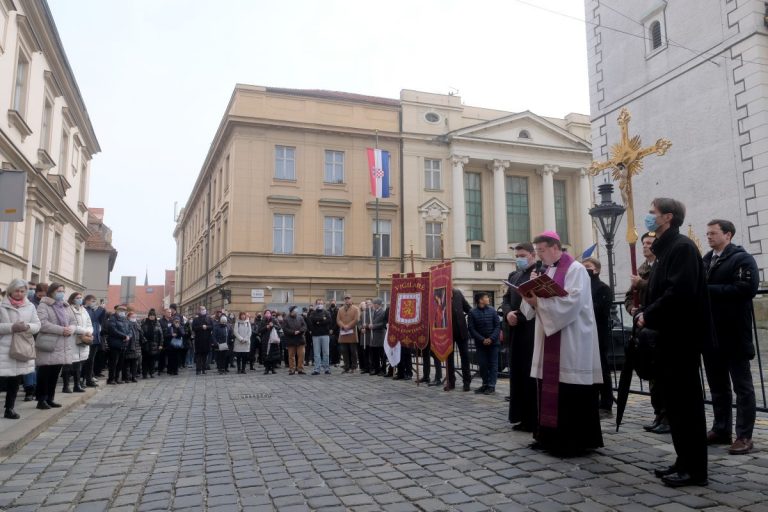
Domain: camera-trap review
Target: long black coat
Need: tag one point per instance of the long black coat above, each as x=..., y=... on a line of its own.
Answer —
x=460, y=308
x=733, y=283
x=601, y=302
x=678, y=300
x=202, y=336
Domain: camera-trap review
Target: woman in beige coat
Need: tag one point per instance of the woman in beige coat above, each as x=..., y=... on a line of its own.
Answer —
x=77, y=347
x=17, y=314
x=57, y=326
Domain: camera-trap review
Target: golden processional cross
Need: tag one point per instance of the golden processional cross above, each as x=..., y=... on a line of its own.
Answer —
x=626, y=162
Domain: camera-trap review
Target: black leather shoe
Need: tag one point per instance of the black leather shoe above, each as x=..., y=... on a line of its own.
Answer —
x=436, y=382
x=661, y=473
x=11, y=414
x=53, y=404
x=466, y=387
x=489, y=391
x=424, y=380
x=43, y=405
x=91, y=384
x=481, y=390
x=662, y=428
x=651, y=426
x=507, y=398
x=683, y=479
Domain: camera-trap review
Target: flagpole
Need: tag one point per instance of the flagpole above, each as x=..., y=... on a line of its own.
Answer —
x=378, y=236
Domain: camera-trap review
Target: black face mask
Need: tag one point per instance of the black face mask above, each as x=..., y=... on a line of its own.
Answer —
x=591, y=274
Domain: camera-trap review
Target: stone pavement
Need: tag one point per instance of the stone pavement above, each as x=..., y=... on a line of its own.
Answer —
x=342, y=442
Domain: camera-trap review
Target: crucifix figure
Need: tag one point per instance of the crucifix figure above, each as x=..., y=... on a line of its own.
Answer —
x=626, y=162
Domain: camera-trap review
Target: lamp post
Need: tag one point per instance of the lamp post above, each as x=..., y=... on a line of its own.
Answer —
x=225, y=294
x=606, y=217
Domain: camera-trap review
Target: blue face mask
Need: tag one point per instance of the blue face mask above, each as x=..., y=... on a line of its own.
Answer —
x=79, y=302
x=522, y=263
x=59, y=296
x=30, y=294
x=650, y=222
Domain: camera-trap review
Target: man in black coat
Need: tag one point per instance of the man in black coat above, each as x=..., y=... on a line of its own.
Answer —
x=602, y=300
x=459, y=309
x=202, y=327
x=678, y=309
x=732, y=279
x=523, y=405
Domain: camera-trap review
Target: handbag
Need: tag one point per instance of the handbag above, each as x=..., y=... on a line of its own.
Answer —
x=22, y=346
x=223, y=347
x=273, y=336
x=177, y=343
x=46, y=342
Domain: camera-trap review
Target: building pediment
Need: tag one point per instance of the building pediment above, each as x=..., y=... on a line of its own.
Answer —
x=434, y=210
x=523, y=128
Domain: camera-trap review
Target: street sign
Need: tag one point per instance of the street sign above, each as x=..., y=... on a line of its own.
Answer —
x=257, y=295
x=13, y=195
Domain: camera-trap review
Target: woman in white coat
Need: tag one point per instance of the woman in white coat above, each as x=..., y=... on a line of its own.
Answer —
x=17, y=314
x=57, y=326
x=77, y=344
x=242, y=346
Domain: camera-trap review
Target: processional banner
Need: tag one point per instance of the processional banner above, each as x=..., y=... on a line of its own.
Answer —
x=440, y=321
x=408, y=310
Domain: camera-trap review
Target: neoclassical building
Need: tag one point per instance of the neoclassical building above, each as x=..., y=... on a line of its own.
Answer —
x=281, y=211
x=45, y=131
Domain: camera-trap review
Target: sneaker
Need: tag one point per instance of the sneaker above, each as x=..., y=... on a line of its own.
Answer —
x=742, y=446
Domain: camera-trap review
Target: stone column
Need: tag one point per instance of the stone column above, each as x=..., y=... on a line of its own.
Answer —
x=548, y=195
x=500, y=208
x=459, y=208
x=585, y=203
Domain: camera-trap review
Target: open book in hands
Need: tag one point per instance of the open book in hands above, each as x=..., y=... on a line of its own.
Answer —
x=543, y=287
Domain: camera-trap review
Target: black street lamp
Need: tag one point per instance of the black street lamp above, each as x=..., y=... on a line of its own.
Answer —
x=606, y=217
x=226, y=295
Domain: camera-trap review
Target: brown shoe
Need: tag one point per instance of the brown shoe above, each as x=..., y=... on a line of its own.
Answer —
x=741, y=447
x=715, y=438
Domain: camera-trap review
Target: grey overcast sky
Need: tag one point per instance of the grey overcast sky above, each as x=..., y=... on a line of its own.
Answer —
x=156, y=76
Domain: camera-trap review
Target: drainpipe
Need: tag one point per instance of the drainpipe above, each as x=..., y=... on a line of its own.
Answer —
x=402, y=196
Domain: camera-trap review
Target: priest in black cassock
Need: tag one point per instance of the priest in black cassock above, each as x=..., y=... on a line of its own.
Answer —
x=523, y=410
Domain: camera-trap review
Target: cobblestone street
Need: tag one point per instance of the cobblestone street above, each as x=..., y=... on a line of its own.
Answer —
x=254, y=442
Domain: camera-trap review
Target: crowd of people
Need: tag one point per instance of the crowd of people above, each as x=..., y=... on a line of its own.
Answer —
x=560, y=382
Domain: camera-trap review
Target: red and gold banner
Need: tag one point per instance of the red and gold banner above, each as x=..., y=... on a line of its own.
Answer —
x=408, y=310
x=440, y=321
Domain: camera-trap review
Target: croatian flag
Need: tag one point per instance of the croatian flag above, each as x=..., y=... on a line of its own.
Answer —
x=378, y=169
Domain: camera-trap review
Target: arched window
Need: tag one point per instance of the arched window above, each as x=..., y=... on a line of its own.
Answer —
x=524, y=134
x=655, y=35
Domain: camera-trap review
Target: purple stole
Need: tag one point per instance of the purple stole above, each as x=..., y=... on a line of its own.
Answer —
x=550, y=382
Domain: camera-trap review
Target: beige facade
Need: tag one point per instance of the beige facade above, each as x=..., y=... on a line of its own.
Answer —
x=282, y=209
x=45, y=131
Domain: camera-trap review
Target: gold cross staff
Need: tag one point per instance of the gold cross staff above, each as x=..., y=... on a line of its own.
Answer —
x=626, y=162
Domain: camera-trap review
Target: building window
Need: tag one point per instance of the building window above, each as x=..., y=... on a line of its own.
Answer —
x=22, y=84
x=56, y=256
x=333, y=236
x=474, y=205
x=337, y=295
x=45, y=129
x=75, y=158
x=524, y=134
x=655, y=35
x=77, y=265
x=386, y=297
x=5, y=235
x=282, y=295
x=285, y=163
x=385, y=234
x=518, y=215
x=37, y=244
x=334, y=166
x=432, y=117
x=63, y=151
x=561, y=210
x=474, y=251
x=226, y=174
x=432, y=174
x=283, y=234
x=434, y=240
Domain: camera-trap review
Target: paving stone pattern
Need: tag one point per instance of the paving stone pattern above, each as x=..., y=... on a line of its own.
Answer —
x=342, y=442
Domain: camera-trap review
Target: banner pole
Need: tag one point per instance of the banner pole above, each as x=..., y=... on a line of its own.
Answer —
x=378, y=237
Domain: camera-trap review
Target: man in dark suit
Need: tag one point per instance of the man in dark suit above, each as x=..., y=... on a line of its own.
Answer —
x=678, y=310
x=459, y=309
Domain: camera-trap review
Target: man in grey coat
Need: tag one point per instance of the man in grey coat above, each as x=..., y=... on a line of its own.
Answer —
x=378, y=327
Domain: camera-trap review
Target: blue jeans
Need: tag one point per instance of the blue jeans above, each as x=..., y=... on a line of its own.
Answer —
x=30, y=380
x=321, y=348
x=488, y=360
